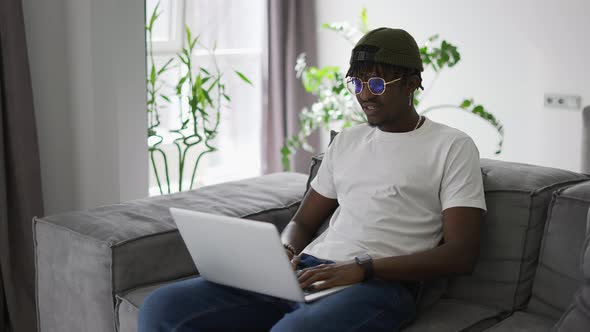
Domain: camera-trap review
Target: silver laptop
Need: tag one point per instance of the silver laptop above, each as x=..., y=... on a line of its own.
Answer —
x=242, y=253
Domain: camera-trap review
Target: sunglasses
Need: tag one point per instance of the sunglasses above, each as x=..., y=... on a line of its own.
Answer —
x=376, y=85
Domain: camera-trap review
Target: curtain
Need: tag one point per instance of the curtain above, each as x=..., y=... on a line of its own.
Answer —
x=292, y=29
x=20, y=177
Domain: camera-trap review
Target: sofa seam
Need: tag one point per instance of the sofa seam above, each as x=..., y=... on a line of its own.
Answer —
x=542, y=300
x=126, y=292
x=535, y=191
x=118, y=302
x=36, y=262
x=565, y=314
x=562, y=185
x=495, y=316
x=573, y=198
x=84, y=236
x=549, y=268
x=285, y=207
x=522, y=252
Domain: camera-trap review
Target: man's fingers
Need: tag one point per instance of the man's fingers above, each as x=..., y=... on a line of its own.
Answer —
x=328, y=283
x=309, y=271
x=317, y=267
x=309, y=277
x=306, y=273
x=295, y=261
x=289, y=254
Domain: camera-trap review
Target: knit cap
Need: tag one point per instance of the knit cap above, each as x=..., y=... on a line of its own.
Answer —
x=393, y=46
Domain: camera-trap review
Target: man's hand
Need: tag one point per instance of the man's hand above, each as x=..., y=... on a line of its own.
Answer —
x=331, y=275
x=295, y=260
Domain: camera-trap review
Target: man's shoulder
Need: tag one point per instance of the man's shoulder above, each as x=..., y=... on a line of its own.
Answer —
x=354, y=132
x=447, y=133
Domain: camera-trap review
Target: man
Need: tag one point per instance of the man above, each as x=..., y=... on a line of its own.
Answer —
x=406, y=197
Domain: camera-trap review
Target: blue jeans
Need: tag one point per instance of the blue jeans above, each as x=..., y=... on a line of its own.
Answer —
x=199, y=305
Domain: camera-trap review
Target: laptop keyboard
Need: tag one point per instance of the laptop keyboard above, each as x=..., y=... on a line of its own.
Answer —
x=309, y=291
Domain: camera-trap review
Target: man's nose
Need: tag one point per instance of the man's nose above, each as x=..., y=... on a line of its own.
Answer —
x=366, y=94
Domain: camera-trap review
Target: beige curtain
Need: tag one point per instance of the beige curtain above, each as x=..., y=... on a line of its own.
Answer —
x=20, y=178
x=292, y=29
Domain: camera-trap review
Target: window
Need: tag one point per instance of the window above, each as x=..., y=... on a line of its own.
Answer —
x=238, y=28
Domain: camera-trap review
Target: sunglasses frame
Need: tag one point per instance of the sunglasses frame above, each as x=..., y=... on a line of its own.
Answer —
x=348, y=79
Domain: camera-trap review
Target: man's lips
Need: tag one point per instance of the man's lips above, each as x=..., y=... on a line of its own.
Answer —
x=370, y=109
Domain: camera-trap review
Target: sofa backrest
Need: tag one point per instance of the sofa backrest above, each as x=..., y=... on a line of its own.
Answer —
x=558, y=273
x=517, y=197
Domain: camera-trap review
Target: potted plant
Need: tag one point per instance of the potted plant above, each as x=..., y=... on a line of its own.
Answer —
x=201, y=94
x=335, y=105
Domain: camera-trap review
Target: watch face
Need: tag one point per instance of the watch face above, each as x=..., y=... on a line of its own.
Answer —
x=363, y=258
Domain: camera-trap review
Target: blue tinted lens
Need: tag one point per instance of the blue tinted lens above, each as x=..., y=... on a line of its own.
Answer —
x=376, y=85
x=354, y=85
x=358, y=85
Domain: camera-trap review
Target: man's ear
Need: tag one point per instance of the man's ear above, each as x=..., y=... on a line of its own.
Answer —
x=412, y=83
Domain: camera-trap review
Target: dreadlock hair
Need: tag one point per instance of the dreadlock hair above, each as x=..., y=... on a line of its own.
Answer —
x=357, y=68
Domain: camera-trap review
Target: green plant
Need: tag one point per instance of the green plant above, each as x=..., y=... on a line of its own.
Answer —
x=201, y=91
x=335, y=103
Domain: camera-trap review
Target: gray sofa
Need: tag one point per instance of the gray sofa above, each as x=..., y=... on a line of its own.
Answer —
x=95, y=267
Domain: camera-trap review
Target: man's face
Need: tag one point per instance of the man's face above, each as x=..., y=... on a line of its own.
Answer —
x=383, y=110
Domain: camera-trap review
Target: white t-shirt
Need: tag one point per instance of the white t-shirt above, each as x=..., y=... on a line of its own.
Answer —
x=392, y=189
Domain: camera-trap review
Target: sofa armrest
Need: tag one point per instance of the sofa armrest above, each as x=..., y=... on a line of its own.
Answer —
x=84, y=258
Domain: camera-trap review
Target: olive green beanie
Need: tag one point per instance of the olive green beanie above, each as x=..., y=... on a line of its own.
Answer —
x=394, y=47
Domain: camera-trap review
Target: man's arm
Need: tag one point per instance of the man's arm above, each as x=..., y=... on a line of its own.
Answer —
x=312, y=212
x=457, y=255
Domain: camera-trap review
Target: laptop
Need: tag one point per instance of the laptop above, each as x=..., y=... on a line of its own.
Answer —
x=242, y=253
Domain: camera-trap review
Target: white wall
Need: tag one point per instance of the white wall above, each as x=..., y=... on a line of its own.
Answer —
x=87, y=62
x=512, y=53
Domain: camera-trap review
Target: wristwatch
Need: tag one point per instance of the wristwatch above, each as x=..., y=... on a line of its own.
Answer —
x=290, y=248
x=366, y=263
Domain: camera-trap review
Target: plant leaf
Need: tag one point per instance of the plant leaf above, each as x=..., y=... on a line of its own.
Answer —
x=466, y=103
x=165, y=67
x=188, y=33
x=478, y=110
x=153, y=75
x=364, y=25
x=155, y=15
x=243, y=77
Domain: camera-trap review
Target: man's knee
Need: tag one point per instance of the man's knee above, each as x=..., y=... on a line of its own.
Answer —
x=154, y=313
x=297, y=321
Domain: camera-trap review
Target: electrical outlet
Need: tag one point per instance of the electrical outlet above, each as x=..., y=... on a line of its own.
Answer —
x=563, y=101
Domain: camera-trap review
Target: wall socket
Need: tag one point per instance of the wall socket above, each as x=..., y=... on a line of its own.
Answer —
x=563, y=101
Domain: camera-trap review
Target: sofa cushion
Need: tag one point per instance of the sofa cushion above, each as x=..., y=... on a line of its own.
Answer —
x=558, y=273
x=83, y=258
x=455, y=315
x=577, y=316
x=128, y=304
x=446, y=315
x=522, y=321
x=517, y=196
